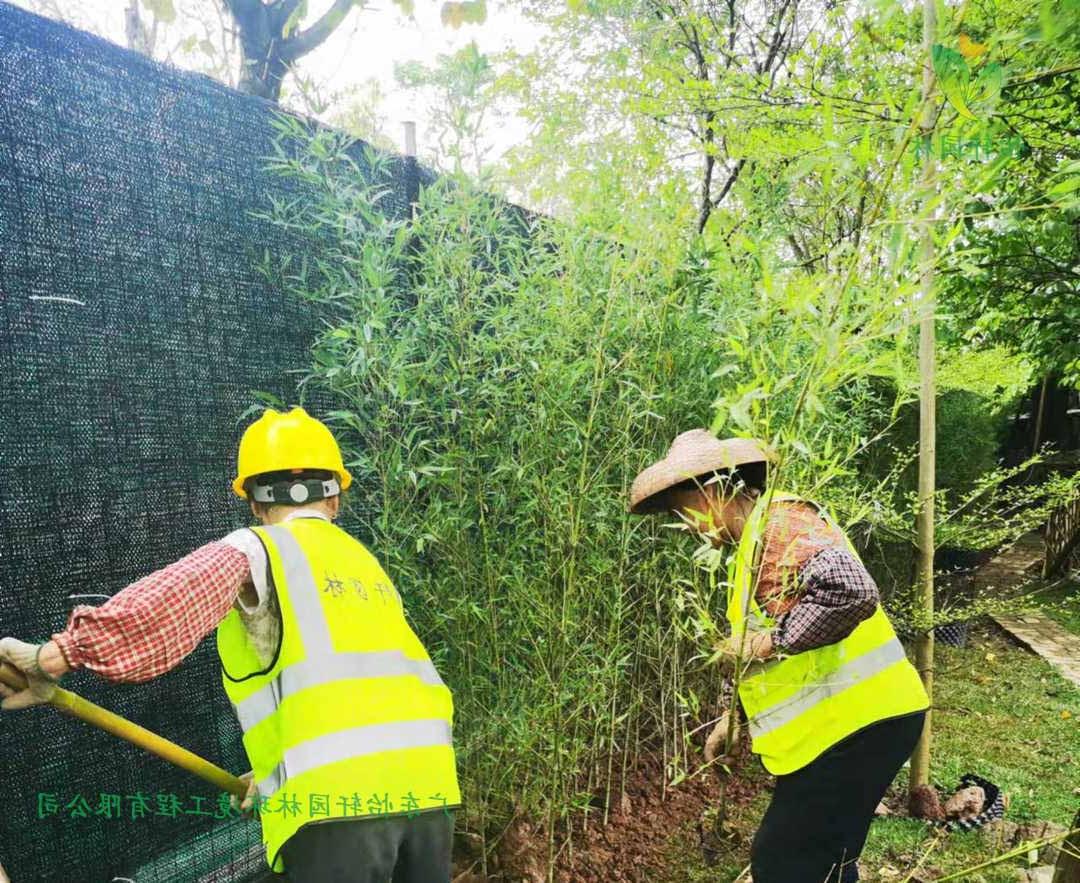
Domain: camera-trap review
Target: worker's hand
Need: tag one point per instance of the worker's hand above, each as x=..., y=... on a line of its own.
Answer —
x=245, y=806
x=756, y=645
x=40, y=685
x=759, y=645
x=714, y=745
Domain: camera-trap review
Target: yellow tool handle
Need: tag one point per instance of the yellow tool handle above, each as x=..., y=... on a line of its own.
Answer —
x=84, y=710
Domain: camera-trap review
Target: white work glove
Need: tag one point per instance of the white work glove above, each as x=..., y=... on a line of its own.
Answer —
x=714, y=745
x=244, y=806
x=40, y=686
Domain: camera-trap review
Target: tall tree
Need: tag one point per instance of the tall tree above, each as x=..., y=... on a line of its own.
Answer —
x=273, y=40
x=759, y=113
x=924, y=646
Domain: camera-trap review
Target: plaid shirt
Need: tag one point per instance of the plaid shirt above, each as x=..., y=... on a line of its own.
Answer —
x=149, y=627
x=838, y=594
x=816, y=590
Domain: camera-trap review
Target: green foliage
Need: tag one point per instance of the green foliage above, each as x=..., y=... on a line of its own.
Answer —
x=497, y=393
x=1012, y=282
x=996, y=375
x=461, y=94
x=1010, y=276
x=972, y=434
x=743, y=255
x=977, y=390
x=969, y=430
x=973, y=96
x=823, y=373
x=672, y=113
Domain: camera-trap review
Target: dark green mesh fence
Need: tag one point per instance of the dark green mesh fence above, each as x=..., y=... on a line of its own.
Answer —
x=134, y=328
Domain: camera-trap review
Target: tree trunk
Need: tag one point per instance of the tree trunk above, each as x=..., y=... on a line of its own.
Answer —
x=1039, y=416
x=268, y=52
x=139, y=38
x=262, y=69
x=1067, y=868
x=262, y=77
x=924, y=647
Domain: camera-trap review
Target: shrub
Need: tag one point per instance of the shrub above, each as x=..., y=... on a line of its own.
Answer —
x=500, y=380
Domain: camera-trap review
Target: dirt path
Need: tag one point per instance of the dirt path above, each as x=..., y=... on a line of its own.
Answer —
x=1049, y=640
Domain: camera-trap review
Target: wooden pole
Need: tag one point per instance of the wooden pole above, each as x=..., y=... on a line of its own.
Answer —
x=1039, y=416
x=87, y=711
x=1067, y=867
x=412, y=170
x=924, y=647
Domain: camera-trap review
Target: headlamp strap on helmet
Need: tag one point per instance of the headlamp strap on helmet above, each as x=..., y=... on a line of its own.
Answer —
x=293, y=492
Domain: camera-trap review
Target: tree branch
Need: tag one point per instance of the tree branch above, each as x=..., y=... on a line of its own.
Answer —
x=305, y=41
x=733, y=176
x=281, y=10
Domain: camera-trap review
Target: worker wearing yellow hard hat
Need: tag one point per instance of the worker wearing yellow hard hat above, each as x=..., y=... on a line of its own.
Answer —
x=346, y=722
x=832, y=703
x=278, y=442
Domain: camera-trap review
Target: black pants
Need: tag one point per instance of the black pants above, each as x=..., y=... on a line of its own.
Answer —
x=396, y=849
x=817, y=822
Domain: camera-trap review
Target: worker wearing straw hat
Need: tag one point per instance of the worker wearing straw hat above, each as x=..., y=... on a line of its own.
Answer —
x=833, y=705
x=345, y=720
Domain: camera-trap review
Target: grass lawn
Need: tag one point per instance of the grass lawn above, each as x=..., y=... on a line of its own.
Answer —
x=1000, y=712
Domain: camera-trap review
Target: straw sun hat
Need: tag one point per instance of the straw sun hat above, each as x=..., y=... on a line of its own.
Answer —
x=693, y=454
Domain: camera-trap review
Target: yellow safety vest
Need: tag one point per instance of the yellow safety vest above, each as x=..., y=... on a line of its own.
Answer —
x=350, y=719
x=798, y=706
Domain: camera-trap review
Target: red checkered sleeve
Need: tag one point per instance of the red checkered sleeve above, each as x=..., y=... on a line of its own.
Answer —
x=838, y=593
x=149, y=627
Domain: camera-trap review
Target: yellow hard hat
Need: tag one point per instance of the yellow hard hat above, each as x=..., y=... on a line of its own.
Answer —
x=294, y=440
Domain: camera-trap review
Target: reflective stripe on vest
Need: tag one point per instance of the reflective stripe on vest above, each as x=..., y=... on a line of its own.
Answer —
x=314, y=630
x=799, y=705
x=325, y=669
x=269, y=786
x=365, y=740
x=865, y=666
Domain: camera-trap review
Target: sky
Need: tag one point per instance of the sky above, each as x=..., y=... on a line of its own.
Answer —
x=365, y=47
x=372, y=41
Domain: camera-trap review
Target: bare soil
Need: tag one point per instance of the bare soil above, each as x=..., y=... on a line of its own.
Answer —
x=702, y=813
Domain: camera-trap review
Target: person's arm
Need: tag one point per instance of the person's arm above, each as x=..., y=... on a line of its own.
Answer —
x=838, y=594
x=149, y=627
